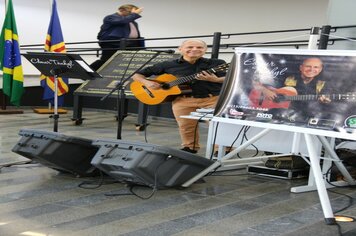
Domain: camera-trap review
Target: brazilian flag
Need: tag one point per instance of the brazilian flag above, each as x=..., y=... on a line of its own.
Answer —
x=10, y=58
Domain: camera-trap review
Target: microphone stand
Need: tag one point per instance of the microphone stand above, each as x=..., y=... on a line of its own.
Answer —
x=120, y=87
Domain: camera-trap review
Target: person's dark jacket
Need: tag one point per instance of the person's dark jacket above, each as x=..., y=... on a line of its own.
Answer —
x=116, y=26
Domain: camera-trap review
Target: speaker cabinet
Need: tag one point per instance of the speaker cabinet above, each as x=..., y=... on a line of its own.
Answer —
x=147, y=164
x=57, y=151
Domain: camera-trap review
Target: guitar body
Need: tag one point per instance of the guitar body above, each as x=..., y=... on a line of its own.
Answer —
x=169, y=87
x=155, y=96
x=257, y=98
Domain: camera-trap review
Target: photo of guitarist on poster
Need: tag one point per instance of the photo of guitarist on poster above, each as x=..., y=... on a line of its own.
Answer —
x=316, y=91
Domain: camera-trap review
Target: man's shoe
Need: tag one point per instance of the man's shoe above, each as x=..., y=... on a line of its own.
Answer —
x=187, y=149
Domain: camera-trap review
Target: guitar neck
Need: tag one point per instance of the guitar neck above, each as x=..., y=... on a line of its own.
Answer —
x=185, y=79
x=182, y=80
x=310, y=97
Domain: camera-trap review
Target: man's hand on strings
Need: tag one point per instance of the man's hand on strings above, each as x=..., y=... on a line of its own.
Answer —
x=152, y=84
x=211, y=77
x=267, y=93
x=324, y=99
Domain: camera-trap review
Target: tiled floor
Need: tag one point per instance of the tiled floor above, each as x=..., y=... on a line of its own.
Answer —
x=37, y=200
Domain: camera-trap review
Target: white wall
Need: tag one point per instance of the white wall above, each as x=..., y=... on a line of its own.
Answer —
x=81, y=19
x=340, y=13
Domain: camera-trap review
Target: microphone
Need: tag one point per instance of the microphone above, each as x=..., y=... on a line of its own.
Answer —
x=164, y=51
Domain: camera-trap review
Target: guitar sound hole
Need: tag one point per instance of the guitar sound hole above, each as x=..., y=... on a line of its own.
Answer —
x=165, y=86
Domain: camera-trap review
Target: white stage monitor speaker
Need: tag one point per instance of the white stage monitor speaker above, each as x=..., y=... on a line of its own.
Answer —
x=147, y=164
x=58, y=151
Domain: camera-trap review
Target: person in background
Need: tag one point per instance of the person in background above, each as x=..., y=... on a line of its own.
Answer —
x=205, y=86
x=118, y=26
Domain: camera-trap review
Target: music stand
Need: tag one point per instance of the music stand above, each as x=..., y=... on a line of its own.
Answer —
x=60, y=65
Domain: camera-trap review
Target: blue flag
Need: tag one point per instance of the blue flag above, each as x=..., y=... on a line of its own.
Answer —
x=54, y=43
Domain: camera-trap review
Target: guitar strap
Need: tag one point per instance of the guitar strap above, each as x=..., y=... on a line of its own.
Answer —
x=290, y=81
x=319, y=86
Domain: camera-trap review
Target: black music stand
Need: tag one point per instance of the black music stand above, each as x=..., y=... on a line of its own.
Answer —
x=60, y=65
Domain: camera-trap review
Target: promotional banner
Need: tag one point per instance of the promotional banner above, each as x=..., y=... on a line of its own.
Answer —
x=306, y=88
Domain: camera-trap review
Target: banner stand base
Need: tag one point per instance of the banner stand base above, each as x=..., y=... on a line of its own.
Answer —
x=10, y=111
x=49, y=111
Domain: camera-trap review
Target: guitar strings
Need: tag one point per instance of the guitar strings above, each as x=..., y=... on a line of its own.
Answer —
x=191, y=77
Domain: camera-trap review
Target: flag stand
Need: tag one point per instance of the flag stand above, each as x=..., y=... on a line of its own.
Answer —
x=4, y=111
x=49, y=110
x=10, y=112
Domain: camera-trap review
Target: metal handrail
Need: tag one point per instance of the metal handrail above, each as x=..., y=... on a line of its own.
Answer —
x=217, y=44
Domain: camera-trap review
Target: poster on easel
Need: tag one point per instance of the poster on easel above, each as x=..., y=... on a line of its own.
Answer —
x=305, y=88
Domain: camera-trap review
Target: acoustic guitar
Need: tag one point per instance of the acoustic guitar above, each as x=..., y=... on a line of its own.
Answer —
x=287, y=94
x=169, y=86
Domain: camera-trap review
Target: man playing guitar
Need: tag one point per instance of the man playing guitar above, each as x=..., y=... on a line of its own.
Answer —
x=300, y=89
x=205, y=86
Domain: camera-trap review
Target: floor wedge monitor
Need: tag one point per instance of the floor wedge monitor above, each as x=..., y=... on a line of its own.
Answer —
x=58, y=151
x=147, y=164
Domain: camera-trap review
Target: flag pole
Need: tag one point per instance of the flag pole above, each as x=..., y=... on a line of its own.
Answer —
x=3, y=101
x=56, y=82
x=55, y=112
